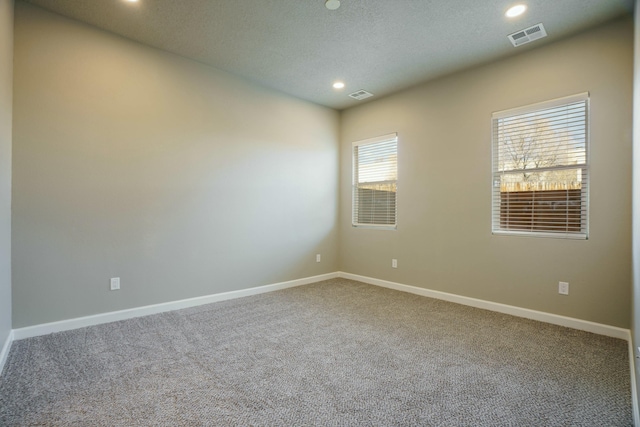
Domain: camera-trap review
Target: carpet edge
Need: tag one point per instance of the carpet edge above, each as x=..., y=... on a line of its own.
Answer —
x=6, y=347
x=634, y=384
x=554, y=319
x=114, y=316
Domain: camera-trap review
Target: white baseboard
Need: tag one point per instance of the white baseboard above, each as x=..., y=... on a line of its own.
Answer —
x=569, y=322
x=80, y=322
x=4, y=353
x=634, y=384
x=97, y=319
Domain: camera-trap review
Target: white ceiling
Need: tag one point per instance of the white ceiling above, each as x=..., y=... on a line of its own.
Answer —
x=299, y=47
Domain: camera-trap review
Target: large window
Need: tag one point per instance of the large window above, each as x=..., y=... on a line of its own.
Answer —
x=541, y=169
x=375, y=175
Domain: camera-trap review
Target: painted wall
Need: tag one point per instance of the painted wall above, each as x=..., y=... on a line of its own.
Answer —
x=180, y=179
x=6, y=89
x=635, y=327
x=444, y=241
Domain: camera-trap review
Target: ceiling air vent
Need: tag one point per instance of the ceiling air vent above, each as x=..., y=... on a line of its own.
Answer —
x=360, y=95
x=527, y=35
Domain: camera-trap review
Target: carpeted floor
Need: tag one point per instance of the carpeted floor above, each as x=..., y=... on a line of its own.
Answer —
x=334, y=353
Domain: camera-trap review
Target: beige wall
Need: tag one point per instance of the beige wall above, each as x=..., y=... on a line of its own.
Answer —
x=180, y=179
x=444, y=239
x=6, y=85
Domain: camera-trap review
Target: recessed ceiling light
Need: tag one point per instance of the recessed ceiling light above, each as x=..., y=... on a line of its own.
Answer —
x=131, y=1
x=338, y=85
x=516, y=10
x=332, y=4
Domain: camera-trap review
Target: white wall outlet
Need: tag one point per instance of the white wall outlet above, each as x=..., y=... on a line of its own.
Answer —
x=394, y=263
x=563, y=288
x=318, y=257
x=115, y=283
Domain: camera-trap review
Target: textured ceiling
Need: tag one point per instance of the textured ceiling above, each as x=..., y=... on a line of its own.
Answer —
x=299, y=47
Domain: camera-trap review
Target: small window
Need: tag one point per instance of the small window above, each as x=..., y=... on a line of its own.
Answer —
x=541, y=169
x=375, y=176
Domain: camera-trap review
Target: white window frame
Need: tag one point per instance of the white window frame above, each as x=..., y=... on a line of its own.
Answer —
x=393, y=137
x=586, y=175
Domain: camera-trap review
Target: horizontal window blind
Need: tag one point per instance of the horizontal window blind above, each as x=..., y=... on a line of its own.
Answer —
x=375, y=175
x=541, y=169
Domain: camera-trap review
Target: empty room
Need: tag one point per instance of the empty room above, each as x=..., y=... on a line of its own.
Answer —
x=319, y=212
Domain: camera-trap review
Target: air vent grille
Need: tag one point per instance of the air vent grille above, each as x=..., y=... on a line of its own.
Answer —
x=527, y=35
x=361, y=94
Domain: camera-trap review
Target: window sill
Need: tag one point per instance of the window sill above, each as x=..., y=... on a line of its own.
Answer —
x=375, y=226
x=570, y=236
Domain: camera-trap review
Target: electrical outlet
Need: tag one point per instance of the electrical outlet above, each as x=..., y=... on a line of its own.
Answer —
x=563, y=288
x=318, y=258
x=115, y=283
x=394, y=263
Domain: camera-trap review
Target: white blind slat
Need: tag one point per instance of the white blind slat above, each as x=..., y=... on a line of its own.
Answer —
x=375, y=174
x=541, y=169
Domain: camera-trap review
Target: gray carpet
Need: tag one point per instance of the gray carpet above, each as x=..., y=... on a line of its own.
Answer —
x=334, y=353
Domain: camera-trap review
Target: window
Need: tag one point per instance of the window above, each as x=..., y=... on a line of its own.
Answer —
x=541, y=169
x=375, y=175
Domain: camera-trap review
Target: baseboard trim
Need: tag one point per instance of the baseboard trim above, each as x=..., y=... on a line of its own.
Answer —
x=555, y=319
x=80, y=322
x=4, y=353
x=634, y=384
x=114, y=316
